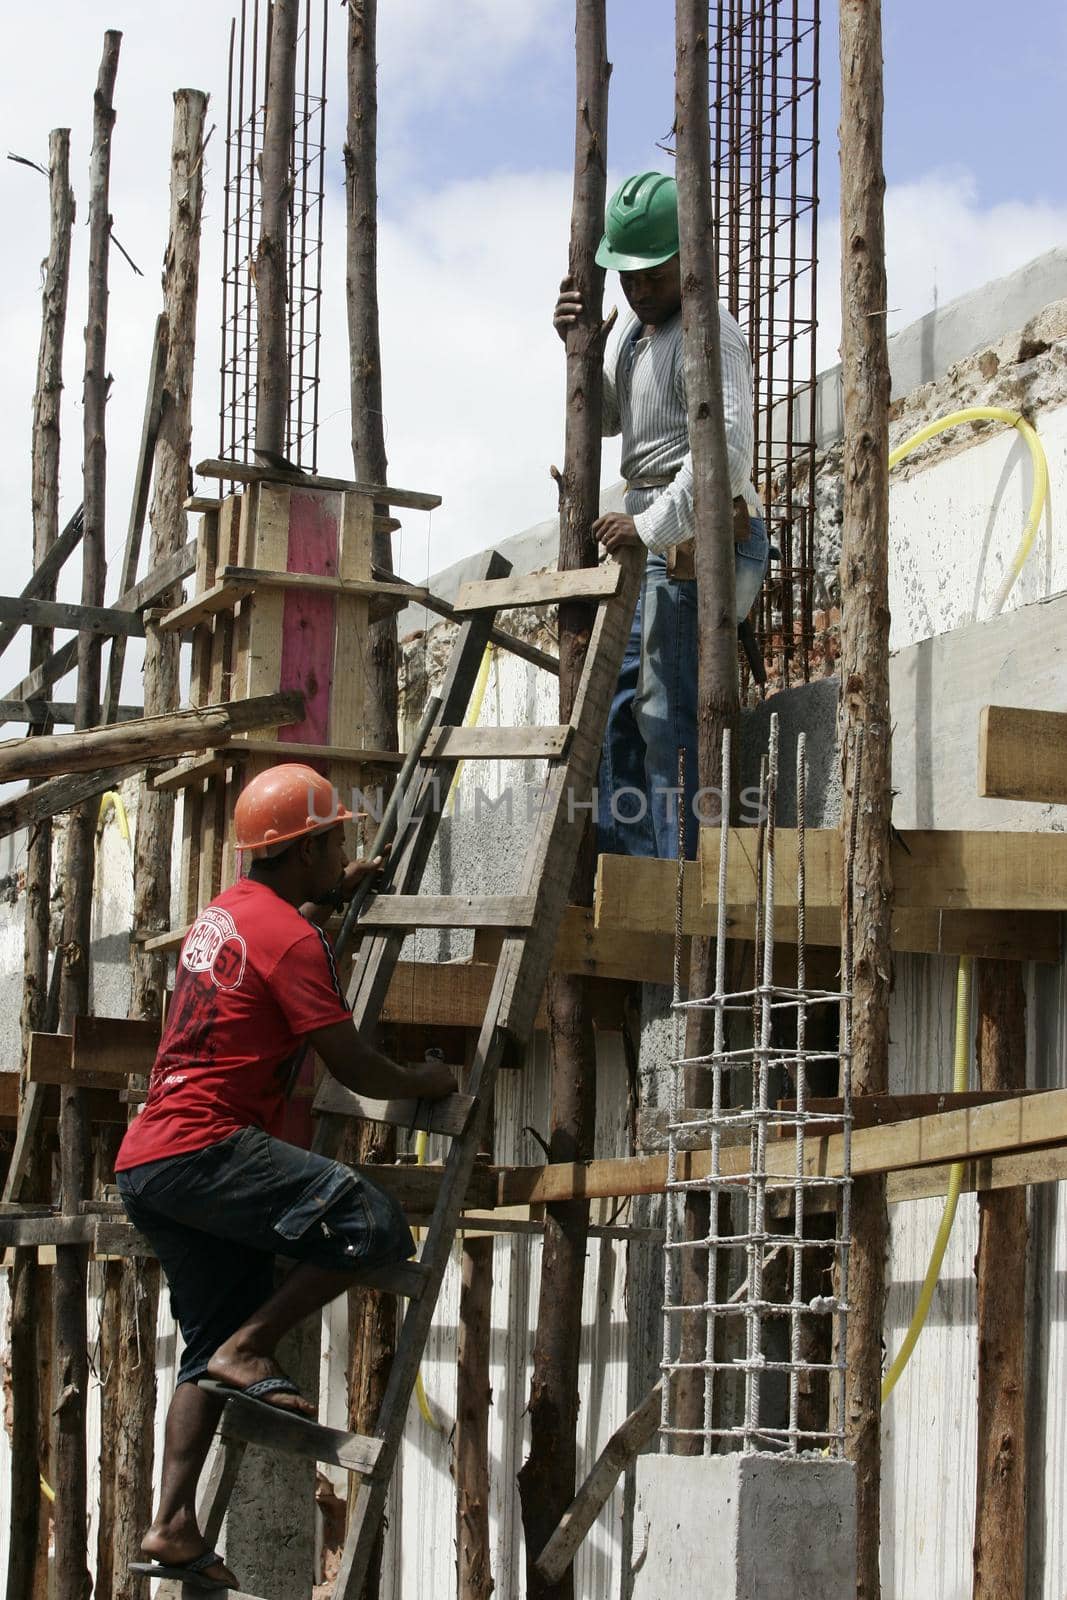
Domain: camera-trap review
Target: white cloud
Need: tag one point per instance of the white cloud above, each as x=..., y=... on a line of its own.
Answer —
x=429, y=52
x=940, y=242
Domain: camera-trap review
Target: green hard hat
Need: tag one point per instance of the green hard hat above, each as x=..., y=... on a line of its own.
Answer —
x=641, y=223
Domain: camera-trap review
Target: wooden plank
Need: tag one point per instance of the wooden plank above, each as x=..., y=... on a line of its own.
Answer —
x=116, y=1047
x=933, y=869
x=298, y=751
x=497, y=744
x=540, y=588
x=1011, y=1171
x=52, y=1060
x=638, y=1429
x=9, y=1096
x=60, y=794
x=157, y=582
x=1022, y=754
x=1009, y=1125
x=27, y=1231
x=58, y=711
x=173, y=939
x=449, y=1116
x=63, y=614
x=248, y=472
x=186, y=773
x=151, y=738
x=877, y=1110
x=45, y=574
x=220, y=597
x=297, y=1436
x=455, y=994
x=449, y=911
x=263, y=578
x=499, y=636
x=635, y=896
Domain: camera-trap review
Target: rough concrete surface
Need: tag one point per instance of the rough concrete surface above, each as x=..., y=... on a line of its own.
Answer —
x=736, y=1527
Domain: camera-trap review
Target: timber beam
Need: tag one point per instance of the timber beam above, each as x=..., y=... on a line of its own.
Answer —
x=1022, y=754
x=635, y=896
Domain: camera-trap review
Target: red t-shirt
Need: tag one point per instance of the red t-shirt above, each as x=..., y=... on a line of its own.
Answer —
x=254, y=977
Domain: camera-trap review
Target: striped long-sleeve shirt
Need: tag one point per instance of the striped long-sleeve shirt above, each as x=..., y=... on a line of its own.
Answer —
x=644, y=400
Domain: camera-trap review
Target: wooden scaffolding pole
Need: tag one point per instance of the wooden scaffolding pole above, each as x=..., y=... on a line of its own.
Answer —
x=547, y=1479
x=717, y=629
x=29, y=1429
x=71, y=1364
x=864, y=709
x=474, y=1557
x=272, y=251
x=134, y=1385
x=364, y=343
x=1000, y=1503
x=371, y=1316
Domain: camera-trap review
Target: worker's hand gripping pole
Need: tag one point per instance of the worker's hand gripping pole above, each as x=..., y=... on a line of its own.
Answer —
x=387, y=828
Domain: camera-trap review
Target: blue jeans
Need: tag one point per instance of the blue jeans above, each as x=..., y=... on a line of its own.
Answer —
x=654, y=712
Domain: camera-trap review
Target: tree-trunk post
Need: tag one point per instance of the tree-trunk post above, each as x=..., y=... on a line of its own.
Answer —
x=372, y=1316
x=864, y=669
x=29, y=1429
x=71, y=1368
x=364, y=342
x=474, y=1396
x=134, y=1386
x=272, y=251
x=716, y=622
x=548, y=1477
x=1000, y=1503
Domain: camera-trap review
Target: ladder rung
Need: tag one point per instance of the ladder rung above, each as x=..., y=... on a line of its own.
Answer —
x=450, y=1115
x=541, y=588
x=274, y=1429
x=497, y=744
x=449, y=911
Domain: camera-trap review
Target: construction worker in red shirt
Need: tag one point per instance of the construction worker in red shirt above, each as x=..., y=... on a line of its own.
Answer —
x=201, y=1171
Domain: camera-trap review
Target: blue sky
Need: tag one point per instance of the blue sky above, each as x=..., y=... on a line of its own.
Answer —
x=476, y=101
x=963, y=88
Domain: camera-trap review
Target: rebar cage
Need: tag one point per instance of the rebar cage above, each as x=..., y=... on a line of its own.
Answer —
x=249, y=54
x=737, y=1327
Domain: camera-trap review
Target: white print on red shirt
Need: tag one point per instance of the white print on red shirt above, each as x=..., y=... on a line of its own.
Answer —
x=214, y=946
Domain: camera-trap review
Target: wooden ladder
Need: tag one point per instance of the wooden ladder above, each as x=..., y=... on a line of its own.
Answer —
x=530, y=919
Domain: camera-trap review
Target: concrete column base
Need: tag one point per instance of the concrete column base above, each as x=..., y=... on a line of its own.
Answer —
x=737, y=1527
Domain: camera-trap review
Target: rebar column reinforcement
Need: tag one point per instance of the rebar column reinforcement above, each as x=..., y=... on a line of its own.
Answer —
x=249, y=52
x=749, y=1082
x=765, y=144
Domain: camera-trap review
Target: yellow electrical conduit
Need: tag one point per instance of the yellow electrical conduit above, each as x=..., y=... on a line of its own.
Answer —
x=961, y=1051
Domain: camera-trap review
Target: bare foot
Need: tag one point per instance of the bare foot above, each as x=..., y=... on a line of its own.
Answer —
x=239, y=1368
x=175, y=1549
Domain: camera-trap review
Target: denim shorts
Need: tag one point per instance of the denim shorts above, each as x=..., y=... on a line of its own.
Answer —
x=217, y=1217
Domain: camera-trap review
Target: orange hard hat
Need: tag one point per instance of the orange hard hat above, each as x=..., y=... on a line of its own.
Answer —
x=285, y=803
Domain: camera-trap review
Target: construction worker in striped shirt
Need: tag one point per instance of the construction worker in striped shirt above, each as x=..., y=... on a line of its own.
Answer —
x=654, y=711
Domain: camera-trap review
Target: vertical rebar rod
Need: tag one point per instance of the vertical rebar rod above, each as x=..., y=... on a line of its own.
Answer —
x=801, y=1089
x=671, y=1265
x=718, y=1047
x=844, y=1229
x=758, y=1173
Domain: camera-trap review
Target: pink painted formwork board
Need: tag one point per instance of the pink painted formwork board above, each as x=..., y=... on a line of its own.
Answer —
x=309, y=619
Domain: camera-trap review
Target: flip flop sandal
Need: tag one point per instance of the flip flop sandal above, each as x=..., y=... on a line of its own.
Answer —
x=192, y=1572
x=257, y=1393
